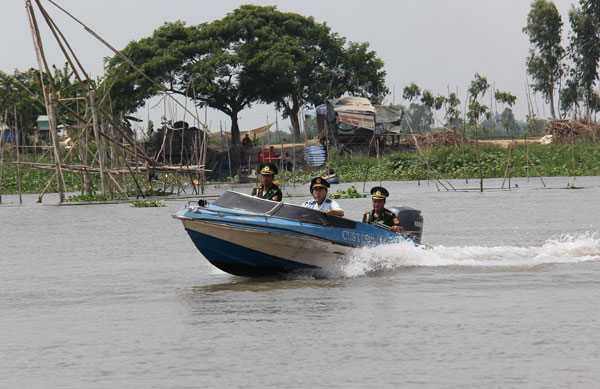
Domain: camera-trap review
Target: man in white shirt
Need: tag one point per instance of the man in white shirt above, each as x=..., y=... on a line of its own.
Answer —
x=318, y=189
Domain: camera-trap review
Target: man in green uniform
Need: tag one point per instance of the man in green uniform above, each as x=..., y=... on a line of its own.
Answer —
x=267, y=190
x=380, y=215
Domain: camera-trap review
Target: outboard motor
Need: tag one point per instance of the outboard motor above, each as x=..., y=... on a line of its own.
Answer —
x=411, y=220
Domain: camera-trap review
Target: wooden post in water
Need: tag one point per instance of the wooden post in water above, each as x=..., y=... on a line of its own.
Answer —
x=1, y=159
x=17, y=136
x=508, y=169
x=281, y=151
x=55, y=146
x=293, y=159
x=99, y=143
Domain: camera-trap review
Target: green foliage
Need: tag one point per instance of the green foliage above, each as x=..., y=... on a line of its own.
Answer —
x=350, y=193
x=505, y=97
x=427, y=98
x=584, y=52
x=148, y=204
x=544, y=63
x=411, y=92
x=88, y=197
x=255, y=53
x=419, y=117
x=23, y=91
x=478, y=88
x=149, y=193
x=549, y=160
x=293, y=60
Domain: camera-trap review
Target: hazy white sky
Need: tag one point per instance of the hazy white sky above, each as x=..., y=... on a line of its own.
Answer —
x=435, y=43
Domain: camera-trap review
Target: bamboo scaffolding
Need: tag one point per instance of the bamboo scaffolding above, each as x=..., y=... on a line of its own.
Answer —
x=110, y=136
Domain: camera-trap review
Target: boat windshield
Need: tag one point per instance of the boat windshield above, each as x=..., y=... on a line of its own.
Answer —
x=252, y=204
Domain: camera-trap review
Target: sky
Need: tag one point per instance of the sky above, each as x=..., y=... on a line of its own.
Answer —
x=438, y=44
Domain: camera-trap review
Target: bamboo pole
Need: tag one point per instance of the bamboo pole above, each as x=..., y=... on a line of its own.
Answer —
x=478, y=158
x=508, y=165
x=1, y=158
x=99, y=143
x=204, y=152
x=533, y=166
x=54, y=133
x=17, y=136
x=228, y=154
x=293, y=160
x=137, y=165
x=573, y=156
x=462, y=141
x=430, y=169
x=39, y=200
x=122, y=56
x=281, y=151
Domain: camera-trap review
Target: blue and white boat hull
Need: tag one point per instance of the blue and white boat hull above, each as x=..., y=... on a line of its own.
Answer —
x=247, y=236
x=250, y=251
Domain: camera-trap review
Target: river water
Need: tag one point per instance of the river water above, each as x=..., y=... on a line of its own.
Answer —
x=110, y=296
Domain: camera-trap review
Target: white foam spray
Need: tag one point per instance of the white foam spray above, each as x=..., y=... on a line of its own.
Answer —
x=564, y=249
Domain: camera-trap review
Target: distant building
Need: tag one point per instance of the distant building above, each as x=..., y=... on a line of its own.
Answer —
x=42, y=130
x=7, y=134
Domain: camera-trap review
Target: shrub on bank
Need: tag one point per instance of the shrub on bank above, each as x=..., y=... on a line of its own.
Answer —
x=548, y=160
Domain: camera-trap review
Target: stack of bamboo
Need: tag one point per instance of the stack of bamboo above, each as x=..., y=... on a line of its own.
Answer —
x=565, y=131
x=435, y=139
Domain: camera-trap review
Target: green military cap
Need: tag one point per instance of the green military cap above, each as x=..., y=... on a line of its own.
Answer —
x=319, y=182
x=379, y=192
x=268, y=168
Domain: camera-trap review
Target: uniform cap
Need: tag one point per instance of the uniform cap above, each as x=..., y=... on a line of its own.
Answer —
x=319, y=182
x=268, y=168
x=379, y=192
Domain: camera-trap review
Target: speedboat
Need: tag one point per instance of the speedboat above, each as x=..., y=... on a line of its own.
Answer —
x=248, y=236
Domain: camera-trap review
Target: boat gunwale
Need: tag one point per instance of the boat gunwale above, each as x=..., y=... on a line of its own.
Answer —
x=267, y=228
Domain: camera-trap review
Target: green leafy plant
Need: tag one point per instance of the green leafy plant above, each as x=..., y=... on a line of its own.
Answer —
x=149, y=193
x=350, y=193
x=95, y=197
x=149, y=204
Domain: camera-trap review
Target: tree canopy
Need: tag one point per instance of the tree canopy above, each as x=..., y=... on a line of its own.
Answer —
x=254, y=54
x=544, y=63
x=23, y=90
x=584, y=51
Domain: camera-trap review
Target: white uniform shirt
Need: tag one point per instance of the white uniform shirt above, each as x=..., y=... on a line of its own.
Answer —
x=327, y=204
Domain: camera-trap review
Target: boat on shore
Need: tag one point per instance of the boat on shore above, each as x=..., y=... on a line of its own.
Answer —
x=249, y=236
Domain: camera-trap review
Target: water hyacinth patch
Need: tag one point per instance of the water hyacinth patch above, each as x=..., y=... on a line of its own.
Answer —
x=149, y=204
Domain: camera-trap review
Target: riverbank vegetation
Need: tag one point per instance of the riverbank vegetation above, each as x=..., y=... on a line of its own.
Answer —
x=447, y=162
x=581, y=159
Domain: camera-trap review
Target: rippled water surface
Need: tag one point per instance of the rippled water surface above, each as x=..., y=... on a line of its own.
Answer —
x=113, y=296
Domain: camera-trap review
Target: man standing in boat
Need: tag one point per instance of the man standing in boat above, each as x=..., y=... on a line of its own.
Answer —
x=318, y=188
x=267, y=190
x=379, y=214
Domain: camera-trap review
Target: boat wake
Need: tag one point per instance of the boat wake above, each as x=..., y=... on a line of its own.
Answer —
x=564, y=249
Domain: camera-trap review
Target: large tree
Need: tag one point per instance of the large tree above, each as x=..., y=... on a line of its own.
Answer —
x=195, y=62
x=292, y=60
x=253, y=54
x=544, y=26
x=584, y=52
